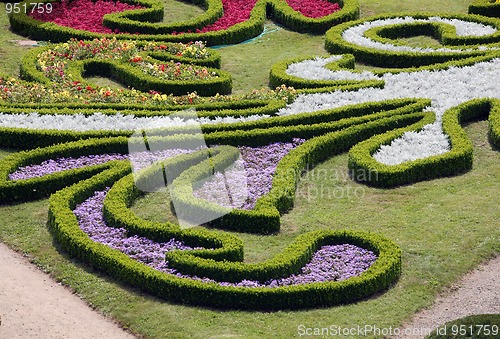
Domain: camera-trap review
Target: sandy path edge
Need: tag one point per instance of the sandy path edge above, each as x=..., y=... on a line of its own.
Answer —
x=32, y=305
x=478, y=292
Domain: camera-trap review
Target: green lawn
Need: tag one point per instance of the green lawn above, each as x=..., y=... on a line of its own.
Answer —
x=445, y=227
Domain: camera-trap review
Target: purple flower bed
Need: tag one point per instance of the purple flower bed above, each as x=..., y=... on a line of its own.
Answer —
x=62, y=164
x=329, y=263
x=259, y=165
x=91, y=221
x=140, y=160
x=254, y=171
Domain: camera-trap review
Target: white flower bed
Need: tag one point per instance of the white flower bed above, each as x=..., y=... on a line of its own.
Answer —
x=446, y=88
x=314, y=69
x=99, y=121
x=355, y=35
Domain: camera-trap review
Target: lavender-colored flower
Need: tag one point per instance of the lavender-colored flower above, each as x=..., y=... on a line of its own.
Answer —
x=141, y=160
x=254, y=171
x=329, y=263
x=259, y=166
x=62, y=164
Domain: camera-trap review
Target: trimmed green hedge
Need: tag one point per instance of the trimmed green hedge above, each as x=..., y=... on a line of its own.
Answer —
x=485, y=7
x=140, y=21
x=133, y=77
x=279, y=76
x=339, y=129
x=40, y=187
x=378, y=277
x=30, y=138
x=335, y=43
x=284, y=14
x=457, y=160
x=146, y=21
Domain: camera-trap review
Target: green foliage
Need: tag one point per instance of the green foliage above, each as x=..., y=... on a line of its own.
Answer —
x=378, y=277
x=489, y=8
x=35, y=188
x=145, y=21
x=125, y=73
x=284, y=14
x=335, y=44
x=458, y=160
x=279, y=76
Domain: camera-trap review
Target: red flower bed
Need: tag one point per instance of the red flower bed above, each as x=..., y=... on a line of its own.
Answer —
x=83, y=14
x=87, y=15
x=235, y=11
x=314, y=8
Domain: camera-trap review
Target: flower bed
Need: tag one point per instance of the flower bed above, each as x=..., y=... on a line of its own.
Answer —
x=383, y=271
x=329, y=263
x=258, y=165
x=336, y=110
x=65, y=64
x=224, y=22
x=255, y=173
x=235, y=11
x=84, y=15
x=314, y=8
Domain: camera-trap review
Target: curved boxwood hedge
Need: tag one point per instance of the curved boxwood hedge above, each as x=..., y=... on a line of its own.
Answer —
x=378, y=277
x=485, y=7
x=456, y=161
x=335, y=43
x=337, y=129
x=279, y=76
x=126, y=73
x=146, y=21
x=329, y=132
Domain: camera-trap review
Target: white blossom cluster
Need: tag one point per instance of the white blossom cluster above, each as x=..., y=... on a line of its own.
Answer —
x=356, y=35
x=99, y=121
x=446, y=88
x=314, y=69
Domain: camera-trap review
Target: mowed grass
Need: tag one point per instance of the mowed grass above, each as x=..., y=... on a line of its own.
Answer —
x=445, y=227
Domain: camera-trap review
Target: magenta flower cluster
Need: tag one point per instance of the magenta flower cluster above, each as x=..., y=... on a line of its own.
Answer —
x=88, y=15
x=83, y=14
x=235, y=11
x=314, y=8
x=329, y=263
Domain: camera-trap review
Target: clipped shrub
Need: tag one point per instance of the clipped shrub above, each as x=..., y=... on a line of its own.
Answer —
x=145, y=22
x=378, y=277
x=458, y=160
x=489, y=8
x=336, y=44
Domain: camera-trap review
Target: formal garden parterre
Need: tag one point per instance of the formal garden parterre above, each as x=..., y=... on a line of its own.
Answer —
x=395, y=123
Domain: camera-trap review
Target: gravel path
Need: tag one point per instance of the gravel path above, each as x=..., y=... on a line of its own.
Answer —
x=32, y=305
x=477, y=293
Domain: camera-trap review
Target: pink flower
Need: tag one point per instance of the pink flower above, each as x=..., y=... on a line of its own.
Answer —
x=82, y=14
